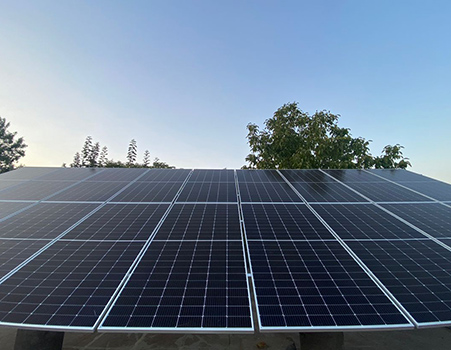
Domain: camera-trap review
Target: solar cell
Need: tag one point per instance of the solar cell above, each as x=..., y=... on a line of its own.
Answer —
x=258, y=176
x=399, y=175
x=282, y=222
x=33, y=190
x=353, y=175
x=183, y=285
x=9, y=183
x=327, y=192
x=267, y=192
x=14, y=252
x=8, y=208
x=316, y=284
x=44, y=220
x=165, y=175
x=70, y=174
x=201, y=222
x=120, y=222
x=223, y=175
x=26, y=173
x=149, y=192
x=306, y=175
x=416, y=272
x=433, y=218
x=438, y=190
x=387, y=192
x=208, y=192
x=364, y=221
x=67, y=285
x=112, y=174
x=90, y=191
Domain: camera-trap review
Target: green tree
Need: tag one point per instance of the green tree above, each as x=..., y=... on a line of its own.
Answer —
x=132, y=153
x=103, y=158
x=392, y=158
x=77, y=161
x=292, y=139
x=11, y=148
x=146, y=159
x=162, y=165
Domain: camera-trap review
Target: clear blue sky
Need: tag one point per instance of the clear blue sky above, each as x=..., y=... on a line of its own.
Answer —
x=185, y=77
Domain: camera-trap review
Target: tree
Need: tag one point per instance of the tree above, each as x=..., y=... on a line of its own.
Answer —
x=389, y=159
x=162, y=165
x=292, y=139
x=11, y=148
x=146, y=159
x=77, y=161
x=103, y=158
x=132, y=152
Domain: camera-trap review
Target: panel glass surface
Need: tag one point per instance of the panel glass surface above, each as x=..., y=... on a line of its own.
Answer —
x=26, y=173
x=69, y=284
x=200, y=175
x=364, y=221
x=9, y=183
x=165, y=175
x=120, y=222
x=14, y=252
x=124, y=174
x=416, y=272
x=387, y=192
x=353, y=175
x=90, y=191
x=70, y=174
x=44, y=220
x=433, y=218
x=435, y=189
x=149, y=192
x=208, y=192
x=183, y=285
x=201, y=222
x=327, y=192
x=305, y=284
x=267, y=192
x=397, y=175
x=280, y=221
x=304, y=175
x=259, y=176
x=8, y=208
x=34, y=190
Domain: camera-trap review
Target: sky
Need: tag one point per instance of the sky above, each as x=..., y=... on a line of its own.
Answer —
x=184, y=78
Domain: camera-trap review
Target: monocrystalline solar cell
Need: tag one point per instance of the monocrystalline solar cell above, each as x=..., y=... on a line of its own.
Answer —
x=314, y=284
x=416, y=272
x=44, y=220
x=120, y=222
x=364, y=221
x=110, y=174
x=90, y=191
x=208, y=192
x=327, y=192
x=34, y=190
x=280, y=221
x=267, y=192
x=307, y=175
x=14, y=252
x=433, y=218
x=200, y=175
x=165, y=175
x=438, y=190
x=387, y=192
x=354, y=175
x=27, y=173
x=149, y=192
x=182, y=285
x=397, y=175
x=8, y=208
x=259, y=176
x=9, y=183
x=70, y=174
x=201, y=222
x=67, y=285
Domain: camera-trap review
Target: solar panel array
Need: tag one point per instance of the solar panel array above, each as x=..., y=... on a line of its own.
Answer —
x=165, y=250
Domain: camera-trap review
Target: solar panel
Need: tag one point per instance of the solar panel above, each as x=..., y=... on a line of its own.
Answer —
x=177, y=250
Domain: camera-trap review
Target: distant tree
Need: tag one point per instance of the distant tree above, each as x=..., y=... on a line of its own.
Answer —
x=132, y=153
x=77, y=161
x=389, y=159
x=11, y=148
x=162, y=165
x=103, y=158
x=146, y=159
x=292, y=139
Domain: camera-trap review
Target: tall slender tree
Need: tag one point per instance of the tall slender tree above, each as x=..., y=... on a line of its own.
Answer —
x=146, y=159
x=132, y=153
x=11, y=148
x=103, y=158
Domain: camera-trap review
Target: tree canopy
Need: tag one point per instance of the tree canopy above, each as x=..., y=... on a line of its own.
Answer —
x=92, y=155
x=293, y=139
x=11, y=148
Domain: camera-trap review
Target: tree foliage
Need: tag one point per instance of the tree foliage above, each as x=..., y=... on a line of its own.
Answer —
x=92, y=155
x=11, y=148
x=292, y=139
